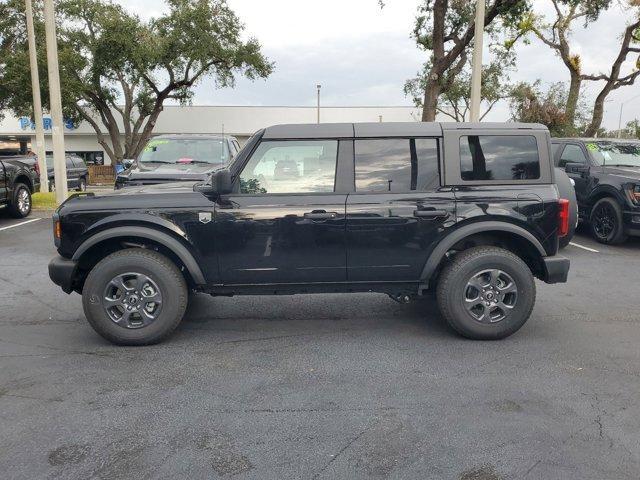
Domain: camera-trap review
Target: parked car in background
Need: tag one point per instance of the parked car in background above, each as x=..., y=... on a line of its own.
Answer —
x=77, y=173
x=467, y=211
x=178, y=158
x=19, y=178
x=606, y=173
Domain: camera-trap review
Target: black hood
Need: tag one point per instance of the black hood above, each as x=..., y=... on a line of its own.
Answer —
x=632, y=173
x=168, y=172
x=162, y=189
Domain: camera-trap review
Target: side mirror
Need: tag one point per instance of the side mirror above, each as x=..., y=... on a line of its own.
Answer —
x=574, y=167
x=127, y=163
x=220, y=184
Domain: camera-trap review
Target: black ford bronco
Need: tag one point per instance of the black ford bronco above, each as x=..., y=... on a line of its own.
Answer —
x=467, y=211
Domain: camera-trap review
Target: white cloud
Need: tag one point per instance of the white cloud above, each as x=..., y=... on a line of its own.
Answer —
x=362, y=55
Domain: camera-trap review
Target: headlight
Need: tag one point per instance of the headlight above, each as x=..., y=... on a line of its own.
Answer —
x=634, y=193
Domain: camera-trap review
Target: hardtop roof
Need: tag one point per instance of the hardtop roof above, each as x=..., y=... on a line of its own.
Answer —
x=385, y=129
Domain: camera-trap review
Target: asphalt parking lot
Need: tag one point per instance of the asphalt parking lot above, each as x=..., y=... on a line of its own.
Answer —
x=321, y=386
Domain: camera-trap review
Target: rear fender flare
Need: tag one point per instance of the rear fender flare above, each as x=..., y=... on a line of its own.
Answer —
x=461, y=233
x=162, y=238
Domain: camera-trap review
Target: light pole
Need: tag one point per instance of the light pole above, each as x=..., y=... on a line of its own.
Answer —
x=318, y=108
x=57, y=132
x=620, y=118
x=37, y=102
x=476, y=67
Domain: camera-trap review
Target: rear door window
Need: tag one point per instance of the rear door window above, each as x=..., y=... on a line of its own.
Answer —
x=499, y=157
x=396, y=165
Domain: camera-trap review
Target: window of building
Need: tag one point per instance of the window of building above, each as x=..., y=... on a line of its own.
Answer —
x=499, y=157
x=396, y=164
x=302, y=166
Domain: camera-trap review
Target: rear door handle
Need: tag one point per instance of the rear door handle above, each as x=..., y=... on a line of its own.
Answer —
x=320, y=215
x=430, y=213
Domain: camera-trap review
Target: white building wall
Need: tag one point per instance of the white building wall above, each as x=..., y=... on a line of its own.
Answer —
x=239, y=121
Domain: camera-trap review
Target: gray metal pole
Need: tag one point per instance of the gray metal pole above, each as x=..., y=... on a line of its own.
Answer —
x=476, y=68
x=318, y=109
x=57, y=127
x=37, y=102
x=620, y=122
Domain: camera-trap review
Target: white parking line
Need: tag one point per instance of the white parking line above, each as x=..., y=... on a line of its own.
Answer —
x=584, y=248
x=21, y=223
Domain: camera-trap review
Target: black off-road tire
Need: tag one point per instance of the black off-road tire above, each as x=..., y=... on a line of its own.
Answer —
x=617, y=235
x=82, y=185
x=157, y=267
x=452, y=285
x=17, y=208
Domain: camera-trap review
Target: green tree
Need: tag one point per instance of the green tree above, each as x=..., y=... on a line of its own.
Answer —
x=633, y=129
x=455, y=98
x=615, y=78
x=117, y=71
x=556, y=34
x=530, y=104
x=445, y=30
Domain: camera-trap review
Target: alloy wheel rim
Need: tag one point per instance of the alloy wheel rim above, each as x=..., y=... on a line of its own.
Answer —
x=24, y=202
x=604, y=221
x=132, y=300
x=490, y=296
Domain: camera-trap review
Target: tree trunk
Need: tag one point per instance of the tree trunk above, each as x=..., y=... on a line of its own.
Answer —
x=598, y=112
x=431, y=94
x=574, y=97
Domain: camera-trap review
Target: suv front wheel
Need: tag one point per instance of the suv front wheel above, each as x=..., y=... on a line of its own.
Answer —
x=486, y=293
x=606, y=222
x=135, y=297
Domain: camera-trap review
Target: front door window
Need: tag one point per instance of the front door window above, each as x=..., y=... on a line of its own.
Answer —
x=305, y=166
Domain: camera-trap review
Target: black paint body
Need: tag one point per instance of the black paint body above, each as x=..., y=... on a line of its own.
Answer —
x=594, y=181
x=14, y=170
x=339, y=241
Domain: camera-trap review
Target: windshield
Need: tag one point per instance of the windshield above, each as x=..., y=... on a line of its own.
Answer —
x=615, y=154
x=185, y=150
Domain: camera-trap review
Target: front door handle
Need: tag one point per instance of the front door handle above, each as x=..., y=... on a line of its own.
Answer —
x=320, y=215
x=430, y=213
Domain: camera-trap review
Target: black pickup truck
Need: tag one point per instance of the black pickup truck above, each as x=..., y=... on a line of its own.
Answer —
x=468, y=211
x=606, y=174
x=19, y=178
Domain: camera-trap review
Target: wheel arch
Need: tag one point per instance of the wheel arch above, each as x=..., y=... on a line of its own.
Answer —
x=506, y=235
x=604, y=191
x=25, y=179
x=107, y=241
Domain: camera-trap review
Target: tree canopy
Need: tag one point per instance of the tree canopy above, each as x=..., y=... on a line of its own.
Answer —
x=444, y=29
x=117, y=70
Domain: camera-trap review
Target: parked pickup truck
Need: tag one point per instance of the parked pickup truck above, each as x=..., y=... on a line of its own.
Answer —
x=468, y=211
x=606, y=175
x=176, y=158
x=19, y=178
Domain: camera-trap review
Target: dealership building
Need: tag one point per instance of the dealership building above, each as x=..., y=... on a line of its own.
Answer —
x=18, y=134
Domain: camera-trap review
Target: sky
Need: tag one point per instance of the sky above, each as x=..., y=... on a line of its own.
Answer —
x=362, y=54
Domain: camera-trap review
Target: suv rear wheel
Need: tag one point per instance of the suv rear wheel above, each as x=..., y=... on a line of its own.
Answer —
x=606, y=222
x=486, y=293
x=135, y=297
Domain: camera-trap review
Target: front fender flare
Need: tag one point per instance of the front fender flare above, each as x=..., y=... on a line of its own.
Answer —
x=162, y=238
x=461, y=233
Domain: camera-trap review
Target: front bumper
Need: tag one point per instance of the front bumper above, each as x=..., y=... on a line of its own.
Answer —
x=556, y=269
x=62, y=272
x=631, y=222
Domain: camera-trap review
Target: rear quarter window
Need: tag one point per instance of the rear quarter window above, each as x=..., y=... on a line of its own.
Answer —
x=499, y=157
